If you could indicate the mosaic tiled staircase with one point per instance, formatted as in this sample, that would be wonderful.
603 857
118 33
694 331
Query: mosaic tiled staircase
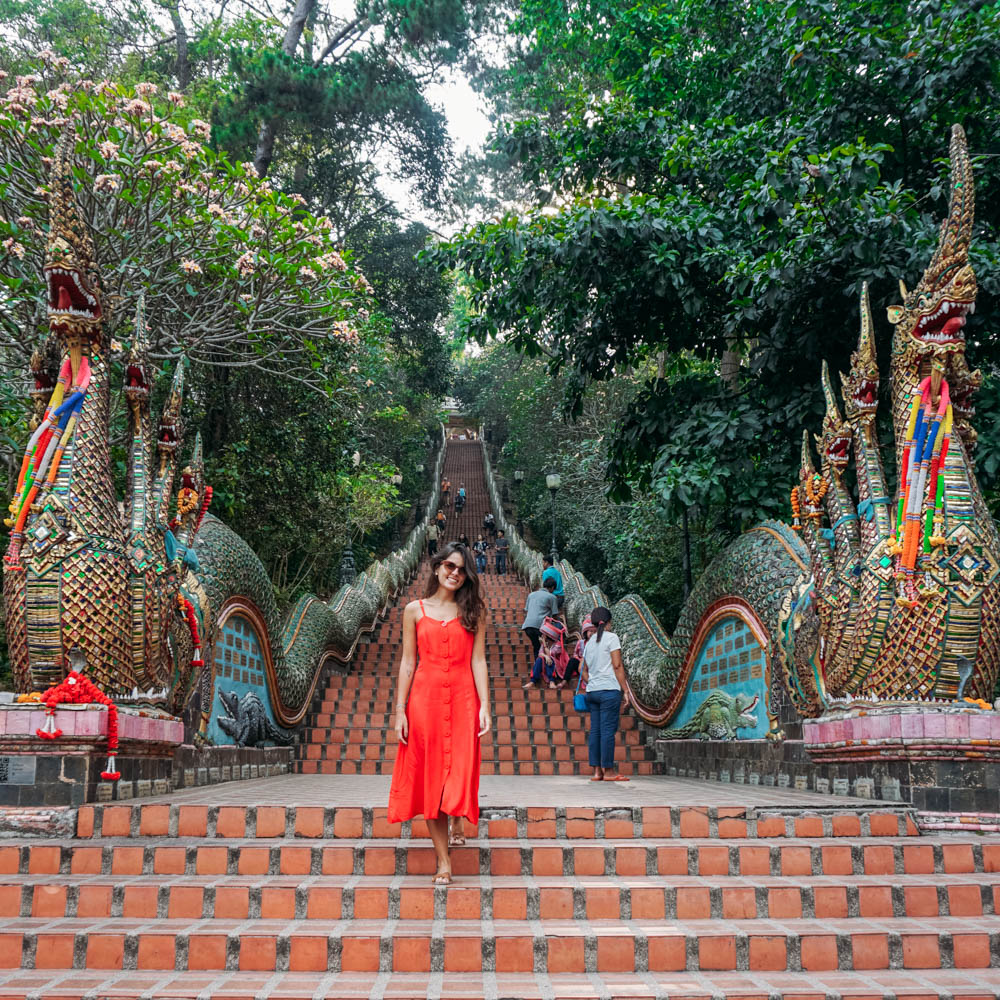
536 731
283 902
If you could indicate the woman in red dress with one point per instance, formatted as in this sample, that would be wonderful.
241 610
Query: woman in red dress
443 674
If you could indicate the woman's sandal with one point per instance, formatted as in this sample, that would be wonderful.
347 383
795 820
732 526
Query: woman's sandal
456 840
442 877
618 777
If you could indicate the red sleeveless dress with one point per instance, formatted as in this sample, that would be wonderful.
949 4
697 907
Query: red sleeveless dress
437 769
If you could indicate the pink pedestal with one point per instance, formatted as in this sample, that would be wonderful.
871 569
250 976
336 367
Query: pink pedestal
895 732
64 772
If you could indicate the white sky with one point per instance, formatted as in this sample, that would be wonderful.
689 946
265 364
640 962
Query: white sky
468 126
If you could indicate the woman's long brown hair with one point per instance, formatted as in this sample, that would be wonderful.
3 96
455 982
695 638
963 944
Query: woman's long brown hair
471 606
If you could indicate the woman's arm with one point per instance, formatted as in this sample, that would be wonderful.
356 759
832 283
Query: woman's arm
619 668
407 664
480 677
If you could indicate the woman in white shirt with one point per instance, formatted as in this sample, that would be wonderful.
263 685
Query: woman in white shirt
604 677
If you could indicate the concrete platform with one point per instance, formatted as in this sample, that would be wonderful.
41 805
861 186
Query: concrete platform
508 790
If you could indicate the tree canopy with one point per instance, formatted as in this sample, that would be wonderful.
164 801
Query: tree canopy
712 182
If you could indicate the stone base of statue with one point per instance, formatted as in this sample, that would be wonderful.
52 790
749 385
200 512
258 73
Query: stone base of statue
942 758
67 771
945 755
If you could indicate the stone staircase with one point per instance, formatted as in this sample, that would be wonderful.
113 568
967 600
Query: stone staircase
535 731
567 889
199 900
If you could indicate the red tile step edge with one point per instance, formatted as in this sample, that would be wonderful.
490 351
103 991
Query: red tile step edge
505 946
934 984
269 821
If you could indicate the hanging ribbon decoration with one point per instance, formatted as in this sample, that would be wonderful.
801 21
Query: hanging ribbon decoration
46 446
924 451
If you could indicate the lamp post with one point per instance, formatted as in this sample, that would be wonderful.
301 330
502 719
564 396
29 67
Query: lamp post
553 482
418 505
397 481
519 479
348 571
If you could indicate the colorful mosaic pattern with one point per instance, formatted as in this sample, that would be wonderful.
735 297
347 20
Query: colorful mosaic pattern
732 660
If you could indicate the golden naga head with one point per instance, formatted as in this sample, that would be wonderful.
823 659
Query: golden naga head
70 268
171 430
834 441
861 384
137 373
931 319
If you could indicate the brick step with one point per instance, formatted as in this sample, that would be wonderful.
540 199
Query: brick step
698 823
636 897
560 946
498 736
502 749
503 767
555 717
558 856
489 754
924 984
504 722
385 736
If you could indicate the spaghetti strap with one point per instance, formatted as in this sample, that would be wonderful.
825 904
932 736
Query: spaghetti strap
423 614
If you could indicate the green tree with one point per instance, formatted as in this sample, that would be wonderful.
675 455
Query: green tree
714 181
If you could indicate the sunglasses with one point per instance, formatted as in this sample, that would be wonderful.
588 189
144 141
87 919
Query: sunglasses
450 567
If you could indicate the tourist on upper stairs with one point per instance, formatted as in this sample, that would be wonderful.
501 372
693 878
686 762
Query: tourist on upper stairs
461 493
540 605
479 547
604 678
552 657
442 709
463 539
440 520
502 547
586 631
489 525
432 538
551 573
445 491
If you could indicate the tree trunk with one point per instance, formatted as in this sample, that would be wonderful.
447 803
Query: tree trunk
729 366
182 68
269 129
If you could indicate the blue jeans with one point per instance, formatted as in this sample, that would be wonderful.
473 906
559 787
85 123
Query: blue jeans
501 562
605 709
540 667
480 563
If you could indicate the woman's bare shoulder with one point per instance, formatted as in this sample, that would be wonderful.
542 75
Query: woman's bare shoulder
412 609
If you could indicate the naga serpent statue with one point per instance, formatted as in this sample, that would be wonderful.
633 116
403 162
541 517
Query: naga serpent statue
880 596
142 596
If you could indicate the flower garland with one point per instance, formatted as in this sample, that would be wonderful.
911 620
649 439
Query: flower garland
816 487
75 689
187 609
794 498
207 499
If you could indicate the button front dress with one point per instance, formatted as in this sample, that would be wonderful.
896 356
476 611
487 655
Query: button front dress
437 769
